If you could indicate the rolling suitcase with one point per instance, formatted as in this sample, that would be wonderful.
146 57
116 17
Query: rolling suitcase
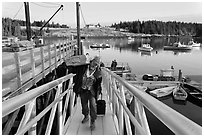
101 106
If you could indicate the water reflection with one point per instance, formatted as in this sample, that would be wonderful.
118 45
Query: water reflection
190 62
145 53
180 52
179 102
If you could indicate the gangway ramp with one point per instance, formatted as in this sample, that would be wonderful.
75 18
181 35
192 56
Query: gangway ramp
105 124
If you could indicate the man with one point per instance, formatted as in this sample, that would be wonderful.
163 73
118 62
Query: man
90 91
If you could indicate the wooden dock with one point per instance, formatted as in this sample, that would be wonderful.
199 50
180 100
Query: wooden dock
24 69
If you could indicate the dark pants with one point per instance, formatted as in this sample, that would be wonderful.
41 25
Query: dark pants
87 97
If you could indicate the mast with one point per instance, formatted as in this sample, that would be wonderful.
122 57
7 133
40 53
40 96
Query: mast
27 15
78 30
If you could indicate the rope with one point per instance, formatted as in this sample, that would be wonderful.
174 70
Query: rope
18 11
44 5
52 3
82 14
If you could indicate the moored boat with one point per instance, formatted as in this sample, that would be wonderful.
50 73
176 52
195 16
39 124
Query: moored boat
178 46
194 94
161 92
120 68
193 44
100 46
145 47
179 93
130 40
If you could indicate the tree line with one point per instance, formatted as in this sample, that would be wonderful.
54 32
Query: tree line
12 27
159 27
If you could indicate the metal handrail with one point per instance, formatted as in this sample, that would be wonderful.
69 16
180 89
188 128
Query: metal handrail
16 102
175 121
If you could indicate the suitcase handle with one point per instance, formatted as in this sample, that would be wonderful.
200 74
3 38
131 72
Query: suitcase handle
101 95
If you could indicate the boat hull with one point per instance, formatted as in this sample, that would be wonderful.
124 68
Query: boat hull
176 48
145 49
99 46
194 94
162 92
180 94
196 45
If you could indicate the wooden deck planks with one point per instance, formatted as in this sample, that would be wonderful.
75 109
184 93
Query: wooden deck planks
104 124
74 123
99 126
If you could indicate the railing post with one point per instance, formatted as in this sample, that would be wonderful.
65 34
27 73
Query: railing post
109 86
127 120
55 53
67 101
32 131
63 49
18 69
66 49
135 113
52 114
60 114
121 117
49 56
142 117
60 52
42 62
113 96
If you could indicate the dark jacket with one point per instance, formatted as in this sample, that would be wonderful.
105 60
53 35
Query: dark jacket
94 82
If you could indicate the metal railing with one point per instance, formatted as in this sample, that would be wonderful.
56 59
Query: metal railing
28 98
116 86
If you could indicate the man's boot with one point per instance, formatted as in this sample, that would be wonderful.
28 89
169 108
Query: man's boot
92 125
86 118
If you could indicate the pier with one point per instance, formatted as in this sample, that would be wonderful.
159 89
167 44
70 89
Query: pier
63 112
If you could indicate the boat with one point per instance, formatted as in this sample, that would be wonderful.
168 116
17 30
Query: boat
121 68
178 46
145 53
193 44
194 94
129 77
130 40
100 46
179 93
162 92
145 47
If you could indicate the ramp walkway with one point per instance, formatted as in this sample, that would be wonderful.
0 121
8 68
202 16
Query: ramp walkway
105 124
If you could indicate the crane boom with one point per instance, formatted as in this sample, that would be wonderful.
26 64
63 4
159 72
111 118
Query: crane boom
61 6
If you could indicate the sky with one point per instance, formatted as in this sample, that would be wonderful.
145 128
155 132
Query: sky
105 12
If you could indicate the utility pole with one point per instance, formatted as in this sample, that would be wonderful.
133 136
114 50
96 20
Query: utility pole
78 30
27 14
